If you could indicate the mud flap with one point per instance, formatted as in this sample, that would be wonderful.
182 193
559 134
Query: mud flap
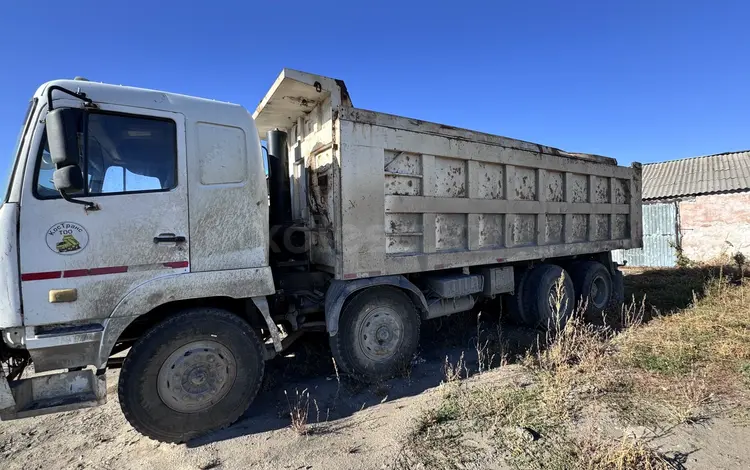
262 304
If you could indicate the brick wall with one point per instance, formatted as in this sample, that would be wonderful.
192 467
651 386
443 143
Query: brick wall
708 222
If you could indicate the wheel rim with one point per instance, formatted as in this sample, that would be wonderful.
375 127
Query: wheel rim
196 376
380 334
599 293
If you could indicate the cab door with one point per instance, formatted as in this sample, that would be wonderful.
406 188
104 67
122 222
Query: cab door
78 264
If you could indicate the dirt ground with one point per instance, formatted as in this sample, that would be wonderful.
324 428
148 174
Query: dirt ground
350 425
369 437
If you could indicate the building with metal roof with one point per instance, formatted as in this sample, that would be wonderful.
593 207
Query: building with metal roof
721 173
695 209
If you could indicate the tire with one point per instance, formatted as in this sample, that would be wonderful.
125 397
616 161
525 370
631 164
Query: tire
514 303
593 285
170 387
539 295
618 292
378 334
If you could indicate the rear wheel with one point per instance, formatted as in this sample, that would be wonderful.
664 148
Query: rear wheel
593 286
378 334
548 297
514 303
194 373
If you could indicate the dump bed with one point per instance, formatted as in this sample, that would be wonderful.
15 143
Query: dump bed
383 194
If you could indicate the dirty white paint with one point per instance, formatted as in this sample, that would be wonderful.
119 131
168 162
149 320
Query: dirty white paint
121 272
450 232
449 177
491 230
227 193
620 226
306 106
403 173
381 194
120 234
555 186
494 179
312 139
621 191
235 283
221 155
403 233
10 296
417 196
60 392
475 196
261 303
555 228
579 228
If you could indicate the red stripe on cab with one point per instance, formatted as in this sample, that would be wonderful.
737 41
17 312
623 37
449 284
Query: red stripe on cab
177 264
91 272
76 273
109 270
41 276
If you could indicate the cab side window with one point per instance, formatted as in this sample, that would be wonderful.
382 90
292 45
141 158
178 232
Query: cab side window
45 188
124 154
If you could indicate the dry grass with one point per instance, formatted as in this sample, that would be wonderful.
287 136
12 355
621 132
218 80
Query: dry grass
455 372
679 366
299 410
650 368
712 336
629 453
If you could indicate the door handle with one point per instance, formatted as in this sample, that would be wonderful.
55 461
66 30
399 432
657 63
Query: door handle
169 238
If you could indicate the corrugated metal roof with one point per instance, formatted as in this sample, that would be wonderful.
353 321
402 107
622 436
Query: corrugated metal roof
700 175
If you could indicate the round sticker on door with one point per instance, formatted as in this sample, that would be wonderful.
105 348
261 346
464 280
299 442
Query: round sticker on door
67 238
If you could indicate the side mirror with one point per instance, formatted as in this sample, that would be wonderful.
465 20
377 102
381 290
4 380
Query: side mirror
68 178
65 136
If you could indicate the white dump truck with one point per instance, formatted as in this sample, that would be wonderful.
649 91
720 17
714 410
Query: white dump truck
143 221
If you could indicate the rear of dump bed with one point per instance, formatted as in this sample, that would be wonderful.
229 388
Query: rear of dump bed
383 194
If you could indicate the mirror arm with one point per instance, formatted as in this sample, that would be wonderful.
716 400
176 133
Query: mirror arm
88 205
81 96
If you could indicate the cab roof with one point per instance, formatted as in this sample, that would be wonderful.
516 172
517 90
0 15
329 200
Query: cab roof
140 97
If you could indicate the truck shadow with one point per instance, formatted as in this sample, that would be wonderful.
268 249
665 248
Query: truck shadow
306 378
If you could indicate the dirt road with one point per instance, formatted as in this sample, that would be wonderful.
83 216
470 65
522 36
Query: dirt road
368 437
348 424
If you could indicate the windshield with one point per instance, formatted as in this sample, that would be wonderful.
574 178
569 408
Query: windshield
14 157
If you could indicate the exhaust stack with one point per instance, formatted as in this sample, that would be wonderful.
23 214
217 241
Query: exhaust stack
278 178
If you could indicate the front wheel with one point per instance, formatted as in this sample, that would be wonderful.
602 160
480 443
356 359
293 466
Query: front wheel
194 373
378 334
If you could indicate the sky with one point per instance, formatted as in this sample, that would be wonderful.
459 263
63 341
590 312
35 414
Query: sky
635 80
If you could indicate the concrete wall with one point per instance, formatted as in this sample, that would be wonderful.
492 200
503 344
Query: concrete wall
708 222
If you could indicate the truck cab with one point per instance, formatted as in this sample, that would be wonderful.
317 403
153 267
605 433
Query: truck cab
133 229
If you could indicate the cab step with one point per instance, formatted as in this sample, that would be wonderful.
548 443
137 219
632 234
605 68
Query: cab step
53 393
